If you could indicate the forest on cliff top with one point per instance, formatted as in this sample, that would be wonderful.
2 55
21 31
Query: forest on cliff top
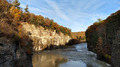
12 14
11 17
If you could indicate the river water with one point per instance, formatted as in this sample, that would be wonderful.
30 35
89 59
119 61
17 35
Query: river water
73 56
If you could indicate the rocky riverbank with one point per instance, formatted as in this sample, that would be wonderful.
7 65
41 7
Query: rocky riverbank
22 32
103 38
16 51
13 55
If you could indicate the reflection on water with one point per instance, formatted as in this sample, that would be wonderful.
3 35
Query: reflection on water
47 60
75 56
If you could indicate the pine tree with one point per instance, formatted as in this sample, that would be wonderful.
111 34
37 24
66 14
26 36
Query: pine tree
26 9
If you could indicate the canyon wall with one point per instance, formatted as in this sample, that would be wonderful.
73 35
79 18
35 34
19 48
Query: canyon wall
17 40
43 38
116 49
13 55
16 49
103 38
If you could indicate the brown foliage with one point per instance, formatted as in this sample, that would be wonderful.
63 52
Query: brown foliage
16 13
6 29
78 35
101 34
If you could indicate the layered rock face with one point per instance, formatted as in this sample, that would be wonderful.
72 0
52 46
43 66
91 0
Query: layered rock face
103 38
15 51
44 38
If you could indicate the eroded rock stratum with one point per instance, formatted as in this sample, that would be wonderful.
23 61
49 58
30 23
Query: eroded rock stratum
43 38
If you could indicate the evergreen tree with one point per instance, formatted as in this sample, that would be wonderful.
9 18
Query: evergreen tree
26 9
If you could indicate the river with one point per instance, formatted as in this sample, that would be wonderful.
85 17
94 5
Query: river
73 56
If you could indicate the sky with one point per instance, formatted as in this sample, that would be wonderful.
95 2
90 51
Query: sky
74 14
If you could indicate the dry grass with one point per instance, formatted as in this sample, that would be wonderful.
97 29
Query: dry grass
6 29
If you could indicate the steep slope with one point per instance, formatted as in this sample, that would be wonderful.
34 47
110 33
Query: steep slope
21 32
43 38
102 38
116 49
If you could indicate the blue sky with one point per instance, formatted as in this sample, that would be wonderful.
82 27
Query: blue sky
74 14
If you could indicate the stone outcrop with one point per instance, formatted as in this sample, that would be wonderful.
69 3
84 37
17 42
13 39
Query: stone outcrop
15 50
13 55
7 53
43 38
103 38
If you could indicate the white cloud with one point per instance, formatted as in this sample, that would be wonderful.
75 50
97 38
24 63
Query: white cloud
35 9
98 5
74 14
88 4
57 10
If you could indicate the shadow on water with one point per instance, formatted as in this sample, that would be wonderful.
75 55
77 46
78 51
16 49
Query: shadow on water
75 56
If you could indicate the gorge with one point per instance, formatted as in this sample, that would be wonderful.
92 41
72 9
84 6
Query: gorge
29 40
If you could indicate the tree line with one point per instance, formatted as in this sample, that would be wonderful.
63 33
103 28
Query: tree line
14 11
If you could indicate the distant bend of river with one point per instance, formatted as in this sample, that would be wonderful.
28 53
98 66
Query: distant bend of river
74 56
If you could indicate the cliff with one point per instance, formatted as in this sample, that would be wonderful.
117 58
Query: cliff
13 55
103 39
22 32
43 38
